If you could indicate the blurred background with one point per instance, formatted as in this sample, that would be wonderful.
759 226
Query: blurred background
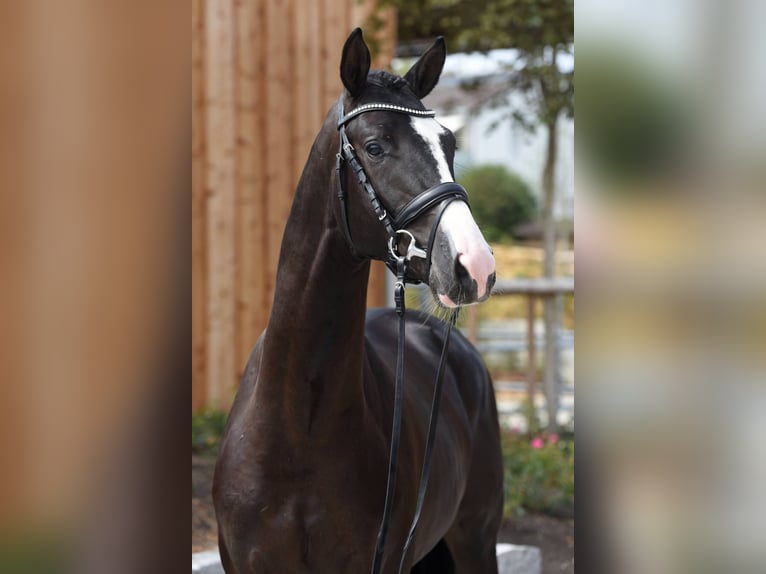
94 228
672 282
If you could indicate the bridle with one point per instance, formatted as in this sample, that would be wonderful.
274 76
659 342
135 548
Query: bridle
438 197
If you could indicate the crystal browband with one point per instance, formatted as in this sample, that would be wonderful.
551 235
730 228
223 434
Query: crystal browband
387 108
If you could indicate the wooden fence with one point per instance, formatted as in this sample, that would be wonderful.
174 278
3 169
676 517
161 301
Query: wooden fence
264 74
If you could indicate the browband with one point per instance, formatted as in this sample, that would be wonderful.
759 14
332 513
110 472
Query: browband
385 108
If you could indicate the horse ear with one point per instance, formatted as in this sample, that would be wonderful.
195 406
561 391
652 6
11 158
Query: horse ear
355 63
424 74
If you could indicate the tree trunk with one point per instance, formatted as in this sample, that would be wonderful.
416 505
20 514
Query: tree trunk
549 266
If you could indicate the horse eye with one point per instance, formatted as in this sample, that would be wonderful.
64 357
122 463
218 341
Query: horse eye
373 149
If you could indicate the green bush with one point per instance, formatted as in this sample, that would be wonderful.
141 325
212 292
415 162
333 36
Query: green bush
500 200
538 474
638 120
207 427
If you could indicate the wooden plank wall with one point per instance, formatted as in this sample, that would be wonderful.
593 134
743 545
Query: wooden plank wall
264 73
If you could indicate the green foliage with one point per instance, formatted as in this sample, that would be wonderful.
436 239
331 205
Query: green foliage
486 24
526 25
538 474
500 200
638 121
207 427
538 30
25 550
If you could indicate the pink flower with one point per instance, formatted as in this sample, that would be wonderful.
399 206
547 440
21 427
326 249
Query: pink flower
553 439
537 442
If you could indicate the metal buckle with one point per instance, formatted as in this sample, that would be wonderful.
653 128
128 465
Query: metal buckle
412 249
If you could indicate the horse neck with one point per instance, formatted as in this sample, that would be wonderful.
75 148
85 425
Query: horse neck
314 342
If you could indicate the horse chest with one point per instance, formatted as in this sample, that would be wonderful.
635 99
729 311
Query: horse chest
302 476
309 524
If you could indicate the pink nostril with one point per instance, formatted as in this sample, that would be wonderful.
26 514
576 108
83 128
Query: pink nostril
474 261
480 266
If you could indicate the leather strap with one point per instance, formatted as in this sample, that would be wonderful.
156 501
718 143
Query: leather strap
341 177
426 200
433 421
393 456
347 153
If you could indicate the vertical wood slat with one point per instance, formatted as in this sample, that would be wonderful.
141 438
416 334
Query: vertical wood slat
221 215
532 351
386 43
335 34
309 109
264 74
279 122
199 331
251 217
264 300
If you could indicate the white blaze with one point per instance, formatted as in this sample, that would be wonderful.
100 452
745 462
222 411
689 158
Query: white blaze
431 131
457 222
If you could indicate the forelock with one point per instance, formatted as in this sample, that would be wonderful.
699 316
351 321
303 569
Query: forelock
381 83
385 79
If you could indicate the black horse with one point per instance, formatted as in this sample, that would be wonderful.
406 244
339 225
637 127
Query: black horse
300 480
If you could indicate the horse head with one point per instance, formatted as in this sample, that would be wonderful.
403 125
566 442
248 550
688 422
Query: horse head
406 156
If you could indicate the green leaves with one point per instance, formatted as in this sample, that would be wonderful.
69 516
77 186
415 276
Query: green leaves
207 427
500 200
538 474
539 30
468 25
639 123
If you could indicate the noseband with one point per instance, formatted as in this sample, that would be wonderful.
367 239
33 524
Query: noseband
439 196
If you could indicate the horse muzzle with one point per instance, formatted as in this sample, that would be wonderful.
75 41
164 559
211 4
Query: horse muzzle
462 267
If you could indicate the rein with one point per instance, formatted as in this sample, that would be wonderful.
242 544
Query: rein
439 196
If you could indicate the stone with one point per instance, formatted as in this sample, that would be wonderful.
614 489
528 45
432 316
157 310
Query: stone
515 559
511 559
208 562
